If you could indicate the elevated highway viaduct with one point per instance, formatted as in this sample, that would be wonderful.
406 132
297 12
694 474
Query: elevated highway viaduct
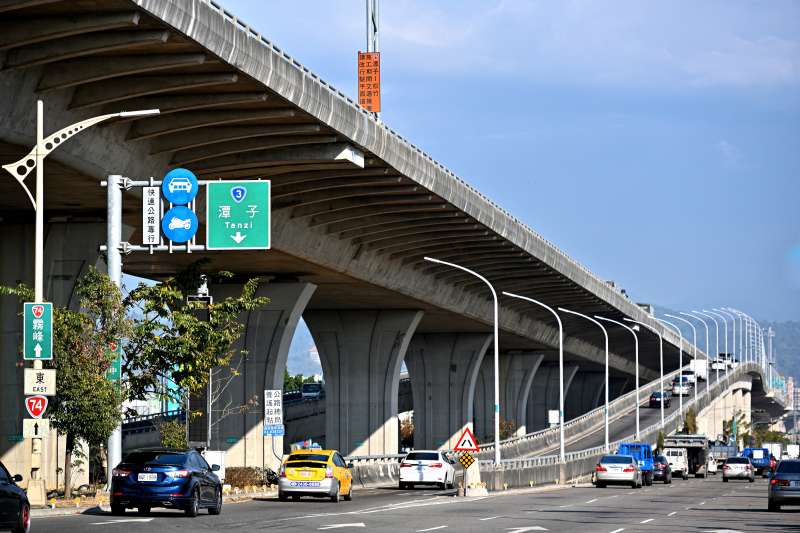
355 209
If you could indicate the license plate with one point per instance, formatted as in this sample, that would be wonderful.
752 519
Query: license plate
794 484
147 477
303 484
305 474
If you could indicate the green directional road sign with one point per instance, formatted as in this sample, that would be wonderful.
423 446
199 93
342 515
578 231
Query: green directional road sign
114 371
37 340
238 215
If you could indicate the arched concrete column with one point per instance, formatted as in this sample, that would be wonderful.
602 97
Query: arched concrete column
584 391
443 368
266 339
515 386
70 249
361 353
618 387
545 393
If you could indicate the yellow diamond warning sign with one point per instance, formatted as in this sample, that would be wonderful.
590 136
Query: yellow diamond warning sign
466 460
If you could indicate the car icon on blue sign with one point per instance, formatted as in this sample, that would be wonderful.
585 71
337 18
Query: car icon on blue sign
179 186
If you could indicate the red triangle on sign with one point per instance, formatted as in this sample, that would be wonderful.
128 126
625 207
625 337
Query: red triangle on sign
467 442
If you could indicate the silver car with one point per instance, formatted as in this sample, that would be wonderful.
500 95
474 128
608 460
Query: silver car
617 470
738 468
784 485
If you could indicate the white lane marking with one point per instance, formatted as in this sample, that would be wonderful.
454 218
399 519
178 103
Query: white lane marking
592 500
618 530
431 529
646 521
122 521
489 518
614 496
673 513
527 528
339 526
702 503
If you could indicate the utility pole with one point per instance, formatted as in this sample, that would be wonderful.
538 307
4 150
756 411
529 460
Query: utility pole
114 266
373 25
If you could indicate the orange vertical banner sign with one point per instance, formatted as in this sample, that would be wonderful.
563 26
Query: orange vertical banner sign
369 81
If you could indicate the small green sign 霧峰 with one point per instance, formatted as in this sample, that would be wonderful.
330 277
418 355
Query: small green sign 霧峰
37 340
238 215
115 370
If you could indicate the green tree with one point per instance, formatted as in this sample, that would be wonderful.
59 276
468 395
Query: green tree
690 422
660 442
172 434
87 405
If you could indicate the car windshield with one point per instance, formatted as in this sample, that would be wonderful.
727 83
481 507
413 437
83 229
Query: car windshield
306 464
423 456
737 461
156 458
617 460
308 457
789 467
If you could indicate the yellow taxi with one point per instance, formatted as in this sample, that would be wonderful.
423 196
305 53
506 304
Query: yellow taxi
313 472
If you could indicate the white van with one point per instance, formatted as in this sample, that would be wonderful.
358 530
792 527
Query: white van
678 461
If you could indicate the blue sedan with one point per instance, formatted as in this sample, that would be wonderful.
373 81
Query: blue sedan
175 479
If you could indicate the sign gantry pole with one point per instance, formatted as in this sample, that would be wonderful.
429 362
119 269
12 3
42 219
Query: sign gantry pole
114 267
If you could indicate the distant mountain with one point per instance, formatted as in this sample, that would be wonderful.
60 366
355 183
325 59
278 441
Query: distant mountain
786 346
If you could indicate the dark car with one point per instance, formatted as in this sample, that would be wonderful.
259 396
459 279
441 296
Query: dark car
784 485
655 399
175 479
15 510
661 469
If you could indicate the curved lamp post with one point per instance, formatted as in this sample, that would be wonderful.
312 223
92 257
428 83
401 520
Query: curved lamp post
708 338
660 359
725 331
496 353
20 170
605 333
716 332
680 359
636 351
694 343
733 333
560 367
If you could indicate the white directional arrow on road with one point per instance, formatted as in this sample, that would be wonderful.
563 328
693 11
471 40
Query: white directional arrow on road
238 237
527 528
339 526
38 350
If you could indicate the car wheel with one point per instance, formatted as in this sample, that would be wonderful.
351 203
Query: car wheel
349 496
724 479
217 508
194 505
634 485
441 486
144 510
774 507
335 496
24 522
685 476
752 479
117 510
600 485
282 497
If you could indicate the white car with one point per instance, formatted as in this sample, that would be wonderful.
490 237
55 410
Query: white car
681 388
180 184
690 376
427 467
176 223
719 365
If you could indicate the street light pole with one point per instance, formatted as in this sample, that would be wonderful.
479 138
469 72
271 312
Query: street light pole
560 368
708 340
725 325
694 343
20 170
680 359
660 360
636 352
496 352
605 333
716 334
733 334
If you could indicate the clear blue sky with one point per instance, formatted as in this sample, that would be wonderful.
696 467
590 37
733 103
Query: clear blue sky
656 142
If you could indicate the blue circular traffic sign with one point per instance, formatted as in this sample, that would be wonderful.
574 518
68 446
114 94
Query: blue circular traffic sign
179 186
179 224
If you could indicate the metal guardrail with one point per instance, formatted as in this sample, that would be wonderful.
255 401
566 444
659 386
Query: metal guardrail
153 416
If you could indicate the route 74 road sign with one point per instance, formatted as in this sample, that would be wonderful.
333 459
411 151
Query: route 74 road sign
238 215
37 339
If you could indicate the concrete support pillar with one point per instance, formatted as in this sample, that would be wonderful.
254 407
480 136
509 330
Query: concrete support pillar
618 387
361 352
515 386
267 339
585 391
545 392
443 368
70 249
